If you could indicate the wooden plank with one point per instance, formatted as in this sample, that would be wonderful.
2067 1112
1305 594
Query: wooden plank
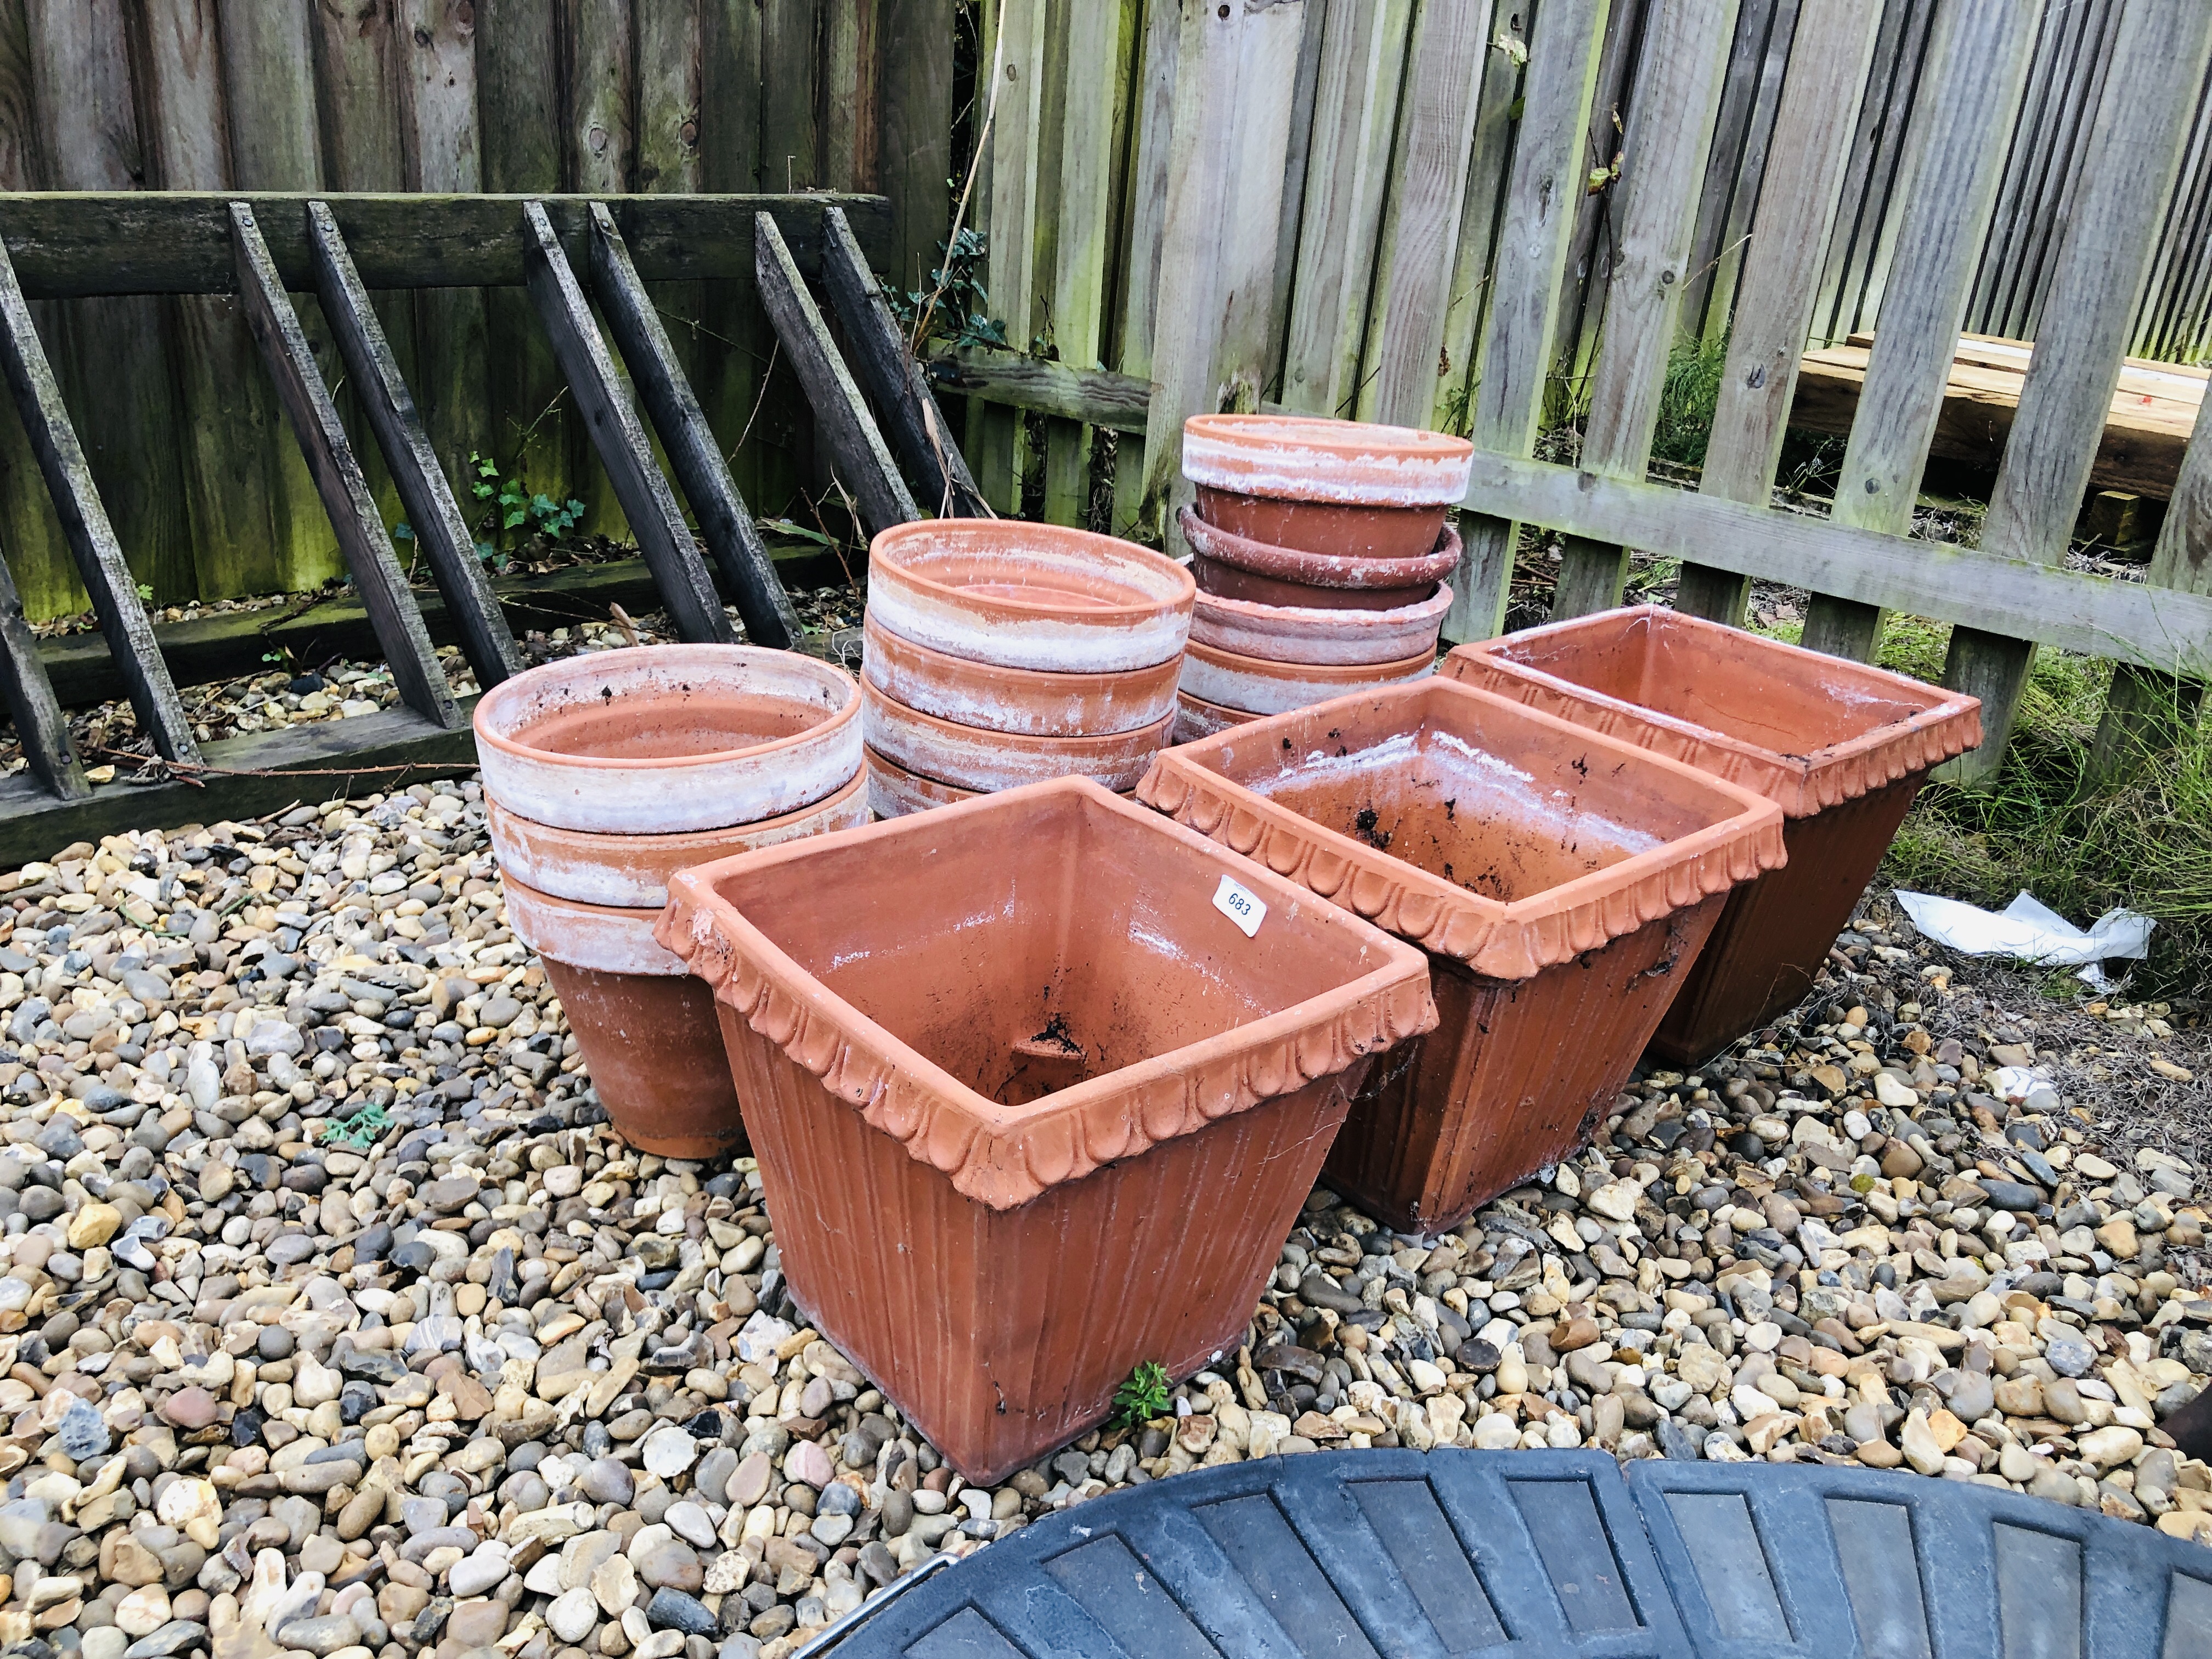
1877 153
84 520
445 156
1806 160
862 462
41 729
662 536
2129 621
354 515
1269 50
1121 403
1489 152
1720 268
668 78
724 524
1726 176
1546 183
243 778
1014 96
1356 98
1400 361
599 145
1977 61
2146 712
1305 89
914 157
910 415
1144 198
1186 324
1671 127
791 72
113 360
847 112
441 529
2158 55
1584 276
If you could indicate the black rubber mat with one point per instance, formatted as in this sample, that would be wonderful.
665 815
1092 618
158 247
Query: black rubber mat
1403 1555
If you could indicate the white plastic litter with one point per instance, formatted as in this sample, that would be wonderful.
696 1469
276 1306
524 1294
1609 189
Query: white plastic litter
2031 930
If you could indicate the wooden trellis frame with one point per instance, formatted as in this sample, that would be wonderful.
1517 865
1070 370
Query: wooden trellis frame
263 247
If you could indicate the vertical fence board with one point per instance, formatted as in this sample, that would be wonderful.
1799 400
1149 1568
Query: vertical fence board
1533 235
850 109
1017 77
1877 152
1305 89
1363 58
913 164
1582 278
791 152
599 156
668 160
443 145
1144 198
119 373
1977 62
2131 159
2146 711
1798 199
31 540
1268 55
1489 156
1717 270
1677 96
1407 312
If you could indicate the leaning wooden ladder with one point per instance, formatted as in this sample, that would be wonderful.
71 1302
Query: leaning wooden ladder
263 247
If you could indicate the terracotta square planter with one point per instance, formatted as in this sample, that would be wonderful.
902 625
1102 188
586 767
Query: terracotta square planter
1030 1109
1842 748
1561 881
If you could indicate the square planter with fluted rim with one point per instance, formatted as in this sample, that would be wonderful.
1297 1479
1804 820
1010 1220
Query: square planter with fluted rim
1032 1106
1561 881
1842 748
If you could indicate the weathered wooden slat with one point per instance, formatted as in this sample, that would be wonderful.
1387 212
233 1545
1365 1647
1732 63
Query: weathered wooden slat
600 154
2127 621
862 462
1363 56
1119 402
1670 126
1977 61
1008 213
1144 197
654 519
1488 154
68 245
29 691
724 524
1305 92
913 423
791 90
2159 56
1735 164
1805 162
359 528
259 773
1876 156
914 140
433 513
1406 315
92 541
1538 216
1269 49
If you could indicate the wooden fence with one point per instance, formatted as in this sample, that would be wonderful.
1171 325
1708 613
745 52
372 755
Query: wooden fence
1422 210
441 96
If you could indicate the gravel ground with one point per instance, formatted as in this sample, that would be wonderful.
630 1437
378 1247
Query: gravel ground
335 1321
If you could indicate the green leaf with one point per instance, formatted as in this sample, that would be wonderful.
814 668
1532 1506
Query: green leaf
514 519
482 491
403 531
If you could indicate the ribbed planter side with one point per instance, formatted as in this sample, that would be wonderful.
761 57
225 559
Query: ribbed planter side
1538 1063
991 761
894 792
1002 1333
1333 638
1257 686
664 739
1021 595
1027 703
632 871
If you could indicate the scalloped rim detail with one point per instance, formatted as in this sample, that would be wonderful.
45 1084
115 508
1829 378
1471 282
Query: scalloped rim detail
1514 941
1801 785
1004 1158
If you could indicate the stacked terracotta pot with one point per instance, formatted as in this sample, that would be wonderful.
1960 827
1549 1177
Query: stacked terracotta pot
1321 550
606 775
999 653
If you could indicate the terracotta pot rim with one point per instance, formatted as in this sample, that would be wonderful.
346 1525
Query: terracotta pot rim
1307 458
897 777
1006 1156
1025 687
1319 569
491 705
1949 724
1123 754
1501 940
521 845
1312 636
1351 673
618 939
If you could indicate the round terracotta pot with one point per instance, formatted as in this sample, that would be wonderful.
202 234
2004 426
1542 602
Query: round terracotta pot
1258 686
664 739
1027 701
894 792
987 762
633 871
646 1029
1347 487
1018 595
1266 574
1290 633
1196 718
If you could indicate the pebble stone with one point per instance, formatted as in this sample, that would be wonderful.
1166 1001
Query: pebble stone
323 1306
